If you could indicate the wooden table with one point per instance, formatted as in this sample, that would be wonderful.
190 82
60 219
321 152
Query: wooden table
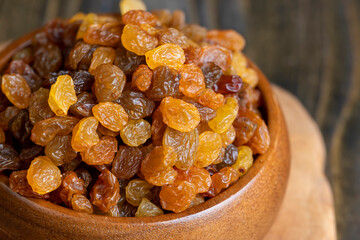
310 48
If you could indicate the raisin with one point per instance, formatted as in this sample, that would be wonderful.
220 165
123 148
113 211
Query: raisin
192 80
157 166
206 113
136 104
16 89
209 148
244 160
101 153
83 81
44 131
110 115
71 185
228 84
216 54
167 54
127 162
85 175
178 196
137 40
220 158
136 190
106 132
179 114
229 39
20 127
250 76
157 127
87 20
141 78
62 95
60 151
199 177
238 64
4 102
23 69
70 31
81 204
55 30
163 15
172 35
47 58
43 176
106 191
72 165
9 157
211 99
195 32
128 5
39 108
136 132
84 134
245 129
148 209
106 33
225 116
260 141
224 178
83 107
184 144
2 136
27 154
102 55
178 19
230 157
109 82
228 136
127 61
249 98
212 73
77 53
127 210
18 183
165 83
139 17
26 55
198 199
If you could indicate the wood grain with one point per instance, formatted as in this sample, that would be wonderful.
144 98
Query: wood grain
309 47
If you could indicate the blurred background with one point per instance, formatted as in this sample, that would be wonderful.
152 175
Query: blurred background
311 48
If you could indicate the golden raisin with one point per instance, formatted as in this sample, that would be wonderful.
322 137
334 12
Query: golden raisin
225 116
136 132
110 115
211 99
104 33
216 54
62 95
200 177
18 183
148 209
224 178
178 196
167 54
139 17
16 89
88 20
81 204
128 5
136 190
102 55
209 148
229 39
43 176
84 134
60 151
244 161
228 137
179 114
136 40
101 153
192 81
141 78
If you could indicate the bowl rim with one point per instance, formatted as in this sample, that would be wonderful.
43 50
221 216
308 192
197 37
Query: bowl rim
273 116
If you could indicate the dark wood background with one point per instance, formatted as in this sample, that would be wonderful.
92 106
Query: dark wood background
311 48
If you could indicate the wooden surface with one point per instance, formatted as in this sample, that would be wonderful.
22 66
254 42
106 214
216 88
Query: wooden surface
308 211
310 48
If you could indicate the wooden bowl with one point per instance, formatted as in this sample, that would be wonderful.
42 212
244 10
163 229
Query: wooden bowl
246 210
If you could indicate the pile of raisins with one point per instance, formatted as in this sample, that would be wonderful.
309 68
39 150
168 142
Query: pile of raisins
131 115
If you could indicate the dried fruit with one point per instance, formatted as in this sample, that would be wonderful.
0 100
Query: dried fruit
216 54
127 162
18 183
197 200
212 73
62 95
199 177
43 176
174 36
137 40
106 191
228 137
165 83
229 39
59 150
194 32
44 131
136 132
245 129
102 55
2 136
167 54
211 99
228 84
184 144
81 204
157 128
230 156
101 153
23 69
128 5
179 114
83 107
71 185
39 108
47 58
9 158
244 160
224 178
164 16
20 127
84 134
16 89
210 144
178 19
148 209
127 61
104 33
136 190
192 80
110 115
78 53
139 17
225 116
141 78
109 82
178 196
